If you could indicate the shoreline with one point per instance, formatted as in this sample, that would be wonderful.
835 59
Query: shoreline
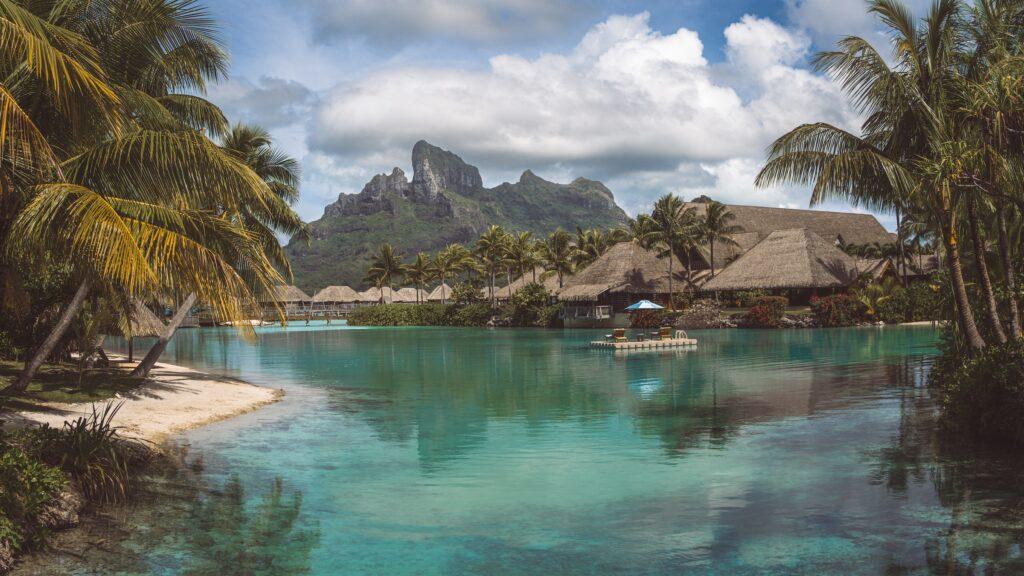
174 400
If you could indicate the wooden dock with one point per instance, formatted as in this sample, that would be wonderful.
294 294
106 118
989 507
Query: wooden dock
653 344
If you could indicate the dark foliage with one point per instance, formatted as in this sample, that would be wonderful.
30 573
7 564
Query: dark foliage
837 311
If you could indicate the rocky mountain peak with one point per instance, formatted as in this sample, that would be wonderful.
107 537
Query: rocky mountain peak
436 170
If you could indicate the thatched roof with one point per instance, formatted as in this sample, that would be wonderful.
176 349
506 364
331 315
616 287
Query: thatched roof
625 267
797 258
442 292
408 294
373 295
550 283
921 266
759 221
342 294
143 322
284 294
876 267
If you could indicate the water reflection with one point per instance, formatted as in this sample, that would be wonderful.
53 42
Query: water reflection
516 452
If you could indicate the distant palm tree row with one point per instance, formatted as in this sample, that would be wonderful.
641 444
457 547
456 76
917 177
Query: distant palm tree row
116 172
673 227
942 147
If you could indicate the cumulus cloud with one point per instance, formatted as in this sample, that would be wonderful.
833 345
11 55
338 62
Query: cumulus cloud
398 22
271 102
641 109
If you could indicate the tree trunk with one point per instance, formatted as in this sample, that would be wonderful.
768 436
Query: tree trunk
534 274
443 299
712 246
900 255
671 293
992 307
44 351
149 360
963 305
494 300
1008 271
508 276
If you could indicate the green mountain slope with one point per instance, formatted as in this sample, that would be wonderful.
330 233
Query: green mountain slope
445 202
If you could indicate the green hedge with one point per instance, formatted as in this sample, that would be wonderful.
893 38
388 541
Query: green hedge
399 315
837 311
530 306
984 396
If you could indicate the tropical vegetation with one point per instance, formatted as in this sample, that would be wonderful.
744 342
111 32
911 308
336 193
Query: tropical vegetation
941 147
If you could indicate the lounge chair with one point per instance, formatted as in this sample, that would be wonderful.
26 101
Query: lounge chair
665 333
619 334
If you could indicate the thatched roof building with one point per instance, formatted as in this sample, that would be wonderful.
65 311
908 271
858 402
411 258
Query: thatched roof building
624 268
341 294
788 259
442 292
373 295
408 295
550 283
143 322
876 267
758 222
286 294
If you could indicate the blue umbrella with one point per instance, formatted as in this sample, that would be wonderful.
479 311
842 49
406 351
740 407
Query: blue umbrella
644 305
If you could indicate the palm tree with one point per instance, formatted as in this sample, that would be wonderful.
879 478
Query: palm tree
129 211
490 249
556 253
420 272
448 262
522 249
642 230
903 154
385 268
717 227
674 227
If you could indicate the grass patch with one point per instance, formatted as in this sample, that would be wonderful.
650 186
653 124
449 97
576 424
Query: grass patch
59 383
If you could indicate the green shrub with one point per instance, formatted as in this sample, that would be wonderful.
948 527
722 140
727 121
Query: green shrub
984 395
528 306
836 311
8 349
26 487
925 302
551 316
399 315
895 308
478 314
466 293
766 312
747 298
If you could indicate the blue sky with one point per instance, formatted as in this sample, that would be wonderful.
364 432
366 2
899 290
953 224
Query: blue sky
649 97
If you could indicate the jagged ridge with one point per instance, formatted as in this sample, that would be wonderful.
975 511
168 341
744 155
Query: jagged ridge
444 202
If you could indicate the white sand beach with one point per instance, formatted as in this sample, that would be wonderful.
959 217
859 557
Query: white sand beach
174 400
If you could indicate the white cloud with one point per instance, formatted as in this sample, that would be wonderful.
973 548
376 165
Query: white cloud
271 102
643 110
399 22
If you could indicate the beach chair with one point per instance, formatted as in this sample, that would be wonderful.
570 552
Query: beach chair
665 333
619 334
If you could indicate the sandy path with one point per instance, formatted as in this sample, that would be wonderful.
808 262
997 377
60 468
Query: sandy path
175 399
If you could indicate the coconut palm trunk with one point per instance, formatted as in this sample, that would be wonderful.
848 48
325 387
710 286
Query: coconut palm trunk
963 305
149 360
44 351
992 307
900 254
1008 271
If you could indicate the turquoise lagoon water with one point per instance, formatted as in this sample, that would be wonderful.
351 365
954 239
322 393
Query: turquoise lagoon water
459 451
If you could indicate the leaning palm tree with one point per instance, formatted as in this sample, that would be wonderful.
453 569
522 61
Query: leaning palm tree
122 191
717 228
385 268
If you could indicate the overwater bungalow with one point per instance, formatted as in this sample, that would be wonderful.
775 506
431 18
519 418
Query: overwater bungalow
442 293
335 301
290 299
796 263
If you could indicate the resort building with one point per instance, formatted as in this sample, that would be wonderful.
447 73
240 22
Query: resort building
796 263
410 295
335 301
597 294
442 293
289 299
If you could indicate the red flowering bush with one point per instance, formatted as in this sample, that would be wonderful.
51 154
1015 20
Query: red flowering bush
836 311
